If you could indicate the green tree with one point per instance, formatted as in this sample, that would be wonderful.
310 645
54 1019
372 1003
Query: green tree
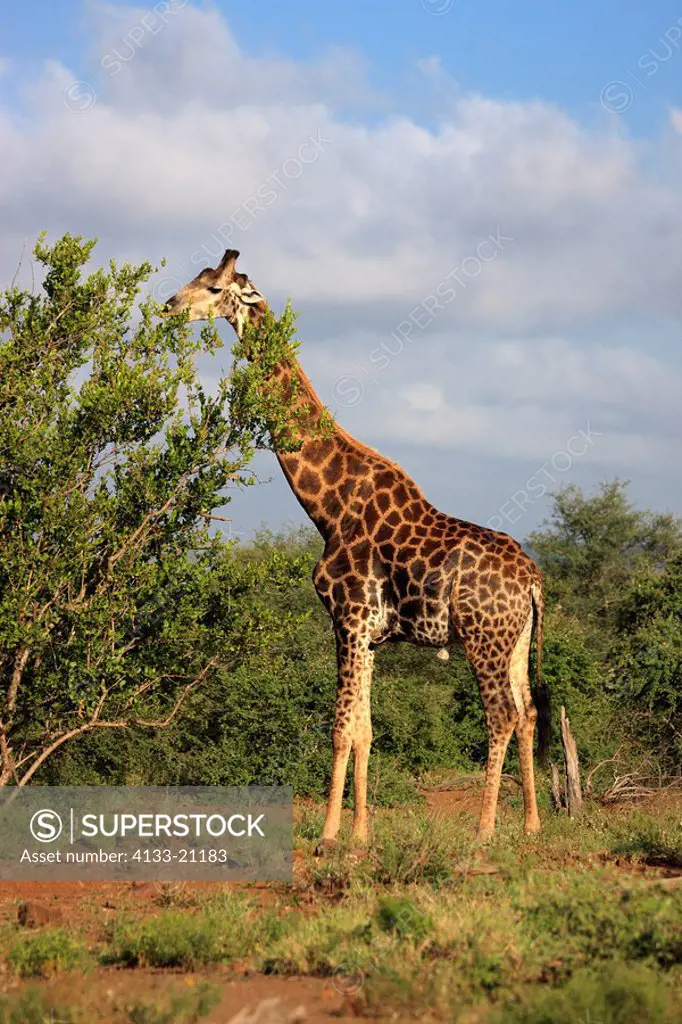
246 724
612 645
113 461
647 661
593 548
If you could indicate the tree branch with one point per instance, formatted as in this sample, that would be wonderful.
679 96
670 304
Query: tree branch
13 689
95 723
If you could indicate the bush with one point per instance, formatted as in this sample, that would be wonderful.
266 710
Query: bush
220 932
48 953
618 993
583 922
399 916
174 940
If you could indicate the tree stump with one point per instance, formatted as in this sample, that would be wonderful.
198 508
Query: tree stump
574 796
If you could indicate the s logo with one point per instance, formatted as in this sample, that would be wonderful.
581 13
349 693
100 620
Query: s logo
46 826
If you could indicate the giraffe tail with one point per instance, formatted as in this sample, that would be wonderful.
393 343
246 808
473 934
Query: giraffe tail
541 690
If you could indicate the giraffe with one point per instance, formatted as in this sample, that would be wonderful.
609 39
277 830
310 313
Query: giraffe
395 568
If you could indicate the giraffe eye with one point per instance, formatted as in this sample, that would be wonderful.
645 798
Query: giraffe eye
215 291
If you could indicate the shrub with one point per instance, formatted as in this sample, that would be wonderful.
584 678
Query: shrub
48 953
32 1008
182 1008
399 916
618 993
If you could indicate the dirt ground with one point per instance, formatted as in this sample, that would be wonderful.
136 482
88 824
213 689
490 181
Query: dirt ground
242 998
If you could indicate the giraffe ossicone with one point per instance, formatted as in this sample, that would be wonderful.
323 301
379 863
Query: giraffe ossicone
396 568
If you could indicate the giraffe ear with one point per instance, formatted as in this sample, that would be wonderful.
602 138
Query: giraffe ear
251 296
226 265
248 293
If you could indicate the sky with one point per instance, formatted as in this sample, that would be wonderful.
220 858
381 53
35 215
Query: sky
476 205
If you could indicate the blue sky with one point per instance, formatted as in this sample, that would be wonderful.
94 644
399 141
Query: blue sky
557 126
509 49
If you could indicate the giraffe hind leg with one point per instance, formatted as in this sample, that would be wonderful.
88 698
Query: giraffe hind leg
525 728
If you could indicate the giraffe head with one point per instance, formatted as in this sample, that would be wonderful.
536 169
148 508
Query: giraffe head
222 292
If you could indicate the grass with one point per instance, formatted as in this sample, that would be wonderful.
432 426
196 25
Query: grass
224 929
181 939
566 927
188 1007
414 925
47 953
401 918
620 993
173 940
32 1008
181 1007
641 837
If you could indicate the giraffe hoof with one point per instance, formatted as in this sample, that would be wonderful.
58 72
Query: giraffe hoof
325 847
532 828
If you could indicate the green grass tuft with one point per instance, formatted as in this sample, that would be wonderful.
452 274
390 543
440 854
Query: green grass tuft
183 1008
48 953
32 1008
400 917
619 993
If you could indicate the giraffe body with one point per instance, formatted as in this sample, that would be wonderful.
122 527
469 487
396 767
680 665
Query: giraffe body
394 568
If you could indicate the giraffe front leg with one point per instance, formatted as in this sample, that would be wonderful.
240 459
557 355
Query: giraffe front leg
362 742
341 744
352 730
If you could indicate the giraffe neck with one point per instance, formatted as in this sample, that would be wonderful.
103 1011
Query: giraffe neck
332 474
317 466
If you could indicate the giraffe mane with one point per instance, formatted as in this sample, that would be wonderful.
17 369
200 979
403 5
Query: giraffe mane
358 446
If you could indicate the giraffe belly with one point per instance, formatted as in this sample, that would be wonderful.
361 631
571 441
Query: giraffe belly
425 626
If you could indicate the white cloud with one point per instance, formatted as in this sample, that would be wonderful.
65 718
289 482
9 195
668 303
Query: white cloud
430 66
514 398
187 128
422 397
